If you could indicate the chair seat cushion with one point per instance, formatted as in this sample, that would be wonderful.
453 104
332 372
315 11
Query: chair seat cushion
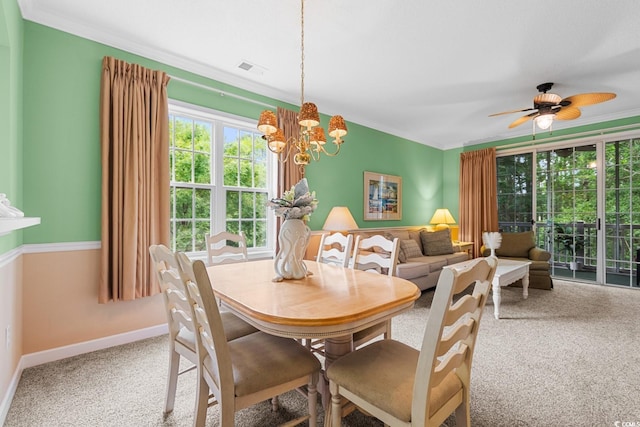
234 327
261 361
382 373
384 366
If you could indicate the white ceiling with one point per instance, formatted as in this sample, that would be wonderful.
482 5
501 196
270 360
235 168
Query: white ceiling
429 71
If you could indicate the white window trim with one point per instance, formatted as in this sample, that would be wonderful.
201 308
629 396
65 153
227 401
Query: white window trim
206 114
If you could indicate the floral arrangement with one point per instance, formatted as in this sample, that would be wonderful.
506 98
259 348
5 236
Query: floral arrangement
297 203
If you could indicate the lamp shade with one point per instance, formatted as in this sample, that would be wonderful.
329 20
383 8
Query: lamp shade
309 116
267 123
340 219
337 127
442 217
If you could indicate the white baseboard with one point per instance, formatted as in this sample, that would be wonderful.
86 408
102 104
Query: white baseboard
35 359
41 357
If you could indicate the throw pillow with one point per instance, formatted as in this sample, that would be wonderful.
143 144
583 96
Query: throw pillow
410 249
436 242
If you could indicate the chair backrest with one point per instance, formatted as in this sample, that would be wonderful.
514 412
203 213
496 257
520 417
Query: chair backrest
225 247
171 279
450 335
335 249
375 253
210 336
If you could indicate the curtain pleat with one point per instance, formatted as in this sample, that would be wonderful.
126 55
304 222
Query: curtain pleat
478 209
288 172
134 138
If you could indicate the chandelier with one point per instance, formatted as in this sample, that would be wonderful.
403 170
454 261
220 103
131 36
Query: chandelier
310 141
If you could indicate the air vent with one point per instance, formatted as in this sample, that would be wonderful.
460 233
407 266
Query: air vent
252 68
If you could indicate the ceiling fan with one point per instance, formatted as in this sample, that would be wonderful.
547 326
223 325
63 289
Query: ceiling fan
549 106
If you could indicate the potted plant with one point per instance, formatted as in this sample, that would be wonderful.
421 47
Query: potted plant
570 244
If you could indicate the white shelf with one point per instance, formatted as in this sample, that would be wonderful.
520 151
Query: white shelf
9 224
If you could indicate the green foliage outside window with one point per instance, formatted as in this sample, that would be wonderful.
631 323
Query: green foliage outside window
193 193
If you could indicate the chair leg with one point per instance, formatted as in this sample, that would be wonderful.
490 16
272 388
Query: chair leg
463 414
202 402
172 382
336 405
312 396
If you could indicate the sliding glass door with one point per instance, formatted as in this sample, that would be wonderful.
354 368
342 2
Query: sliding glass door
583 201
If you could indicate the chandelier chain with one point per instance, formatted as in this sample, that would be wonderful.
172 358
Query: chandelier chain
302 52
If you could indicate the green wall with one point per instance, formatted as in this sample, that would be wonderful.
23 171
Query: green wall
11 112
61 142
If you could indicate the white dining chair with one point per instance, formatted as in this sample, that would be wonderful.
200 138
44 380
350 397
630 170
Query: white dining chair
182 341
375 254
402 386
248 370
225 247
335 249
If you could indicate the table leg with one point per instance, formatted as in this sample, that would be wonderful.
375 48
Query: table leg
525 286
496 300
334 348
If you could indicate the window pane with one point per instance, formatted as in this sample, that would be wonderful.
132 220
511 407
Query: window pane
261 234
202 140
246 173
233 204
231 139
203 203
183 236
260 175
183 164
247 229
184 202
183 133
202 229
202 171
246 205
246 144
261 205
231 171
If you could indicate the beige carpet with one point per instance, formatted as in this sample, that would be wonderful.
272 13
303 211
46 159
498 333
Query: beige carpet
566 357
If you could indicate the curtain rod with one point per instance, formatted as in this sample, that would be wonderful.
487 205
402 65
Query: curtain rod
535 142
221 92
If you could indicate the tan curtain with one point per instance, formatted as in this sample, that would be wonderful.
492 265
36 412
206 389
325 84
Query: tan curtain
288 172
478 196
134 136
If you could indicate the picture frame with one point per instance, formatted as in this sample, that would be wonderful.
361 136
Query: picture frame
382 197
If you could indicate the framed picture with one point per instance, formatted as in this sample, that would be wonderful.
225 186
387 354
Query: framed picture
382 197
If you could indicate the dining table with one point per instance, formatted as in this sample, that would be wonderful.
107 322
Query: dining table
330 303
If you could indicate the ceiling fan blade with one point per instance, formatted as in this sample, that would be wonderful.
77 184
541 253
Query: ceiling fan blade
511 112
523 119
587 99
568 113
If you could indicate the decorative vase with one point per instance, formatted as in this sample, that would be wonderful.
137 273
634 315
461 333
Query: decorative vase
293 239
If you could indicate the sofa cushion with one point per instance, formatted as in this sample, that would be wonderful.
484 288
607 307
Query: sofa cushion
436 242
412 269
434 262
410 248
516 244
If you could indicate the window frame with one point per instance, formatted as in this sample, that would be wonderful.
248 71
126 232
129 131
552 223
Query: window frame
217 216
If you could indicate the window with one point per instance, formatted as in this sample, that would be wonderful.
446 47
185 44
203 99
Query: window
221 178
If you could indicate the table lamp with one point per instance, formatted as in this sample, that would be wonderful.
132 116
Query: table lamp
442 218
340 219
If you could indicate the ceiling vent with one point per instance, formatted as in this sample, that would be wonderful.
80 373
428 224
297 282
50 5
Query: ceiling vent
252 68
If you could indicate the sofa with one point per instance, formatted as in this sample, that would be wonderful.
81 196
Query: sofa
522 246
422 253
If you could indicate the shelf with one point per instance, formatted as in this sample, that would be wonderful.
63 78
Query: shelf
9 224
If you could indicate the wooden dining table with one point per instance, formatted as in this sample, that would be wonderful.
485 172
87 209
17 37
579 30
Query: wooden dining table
331 303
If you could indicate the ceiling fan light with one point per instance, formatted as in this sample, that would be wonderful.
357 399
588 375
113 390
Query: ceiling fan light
544 121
